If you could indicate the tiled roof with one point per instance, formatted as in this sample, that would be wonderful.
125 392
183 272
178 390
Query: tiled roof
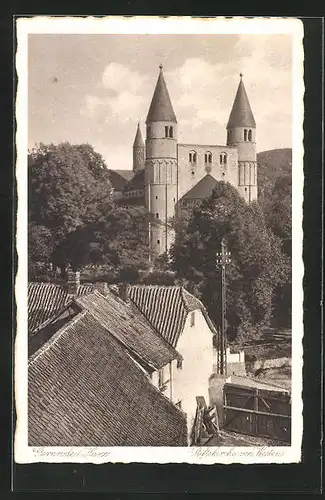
119 178
137 182
46 300
203 189
241 114
166 308
255 384
161 109
130 327
84 390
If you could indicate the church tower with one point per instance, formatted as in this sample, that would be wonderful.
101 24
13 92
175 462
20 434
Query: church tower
241 132
161 167
138 151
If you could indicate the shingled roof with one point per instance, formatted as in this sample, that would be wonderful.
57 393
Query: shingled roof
125 322
46 300
119 178
161 109
203 189
85 390
166 308
241 114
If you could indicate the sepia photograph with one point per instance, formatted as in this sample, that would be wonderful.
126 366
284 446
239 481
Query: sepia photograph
155 289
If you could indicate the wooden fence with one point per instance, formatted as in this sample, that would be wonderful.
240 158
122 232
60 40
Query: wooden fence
257 412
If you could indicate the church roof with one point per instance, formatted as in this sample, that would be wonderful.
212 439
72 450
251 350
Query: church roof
138 141
137 182
203 189
119 178
241 114
161 109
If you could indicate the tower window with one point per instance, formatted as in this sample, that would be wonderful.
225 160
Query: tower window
192 157
171 132
245 134
156 197
158 242
166 131
157 216
249 135
223 158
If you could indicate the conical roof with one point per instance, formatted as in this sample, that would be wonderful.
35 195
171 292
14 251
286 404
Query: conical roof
161 109
241 114
138 141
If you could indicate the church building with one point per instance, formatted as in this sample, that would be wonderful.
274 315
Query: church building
169 174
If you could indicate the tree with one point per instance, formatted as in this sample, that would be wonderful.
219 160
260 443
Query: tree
40 246
257 266
68 188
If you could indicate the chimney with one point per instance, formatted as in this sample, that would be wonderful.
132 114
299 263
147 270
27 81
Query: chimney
123 291
73 282
101 287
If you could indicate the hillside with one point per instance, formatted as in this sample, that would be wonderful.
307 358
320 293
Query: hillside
273 164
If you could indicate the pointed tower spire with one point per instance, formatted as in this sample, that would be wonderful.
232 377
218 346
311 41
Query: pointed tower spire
138 151
138 141
161 109
241 114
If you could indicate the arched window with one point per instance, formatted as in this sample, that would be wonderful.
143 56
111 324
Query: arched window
208 157
223 158
192 157
166 131
171 132
249 135
245 134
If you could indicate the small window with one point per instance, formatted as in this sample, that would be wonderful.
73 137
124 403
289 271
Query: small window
148 130
193 173
171 132
156 197
192 318
166 131
245 190
249 135
174 200
245 134
158 242
223 158
208 157
157 216
192 157
179 364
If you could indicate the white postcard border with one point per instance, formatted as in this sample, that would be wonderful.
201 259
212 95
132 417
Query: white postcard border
154 25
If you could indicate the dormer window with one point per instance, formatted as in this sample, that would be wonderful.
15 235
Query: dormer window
192 157
208 157
223 158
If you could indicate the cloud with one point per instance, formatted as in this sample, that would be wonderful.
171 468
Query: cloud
119 78
124 95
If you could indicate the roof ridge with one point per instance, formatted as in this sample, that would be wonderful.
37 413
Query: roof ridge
54 338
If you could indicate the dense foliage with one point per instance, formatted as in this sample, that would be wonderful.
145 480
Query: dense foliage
258 266
72 218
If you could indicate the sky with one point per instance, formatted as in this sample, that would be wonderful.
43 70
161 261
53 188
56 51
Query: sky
95 88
